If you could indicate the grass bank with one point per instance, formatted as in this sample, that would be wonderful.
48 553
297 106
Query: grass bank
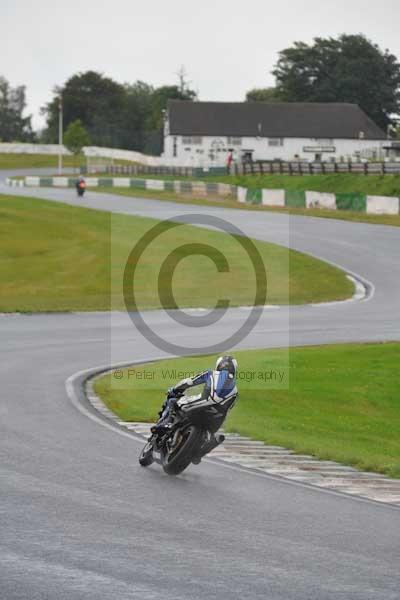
57 257
380 185
341 404
230 202
37 161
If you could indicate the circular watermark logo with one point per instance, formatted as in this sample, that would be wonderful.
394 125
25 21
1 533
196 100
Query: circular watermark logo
165 290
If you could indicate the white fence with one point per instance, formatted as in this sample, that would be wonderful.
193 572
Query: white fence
143 159
93 152
32 149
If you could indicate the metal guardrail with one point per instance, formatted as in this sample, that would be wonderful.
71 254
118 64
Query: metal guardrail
262 167
151 170
148 170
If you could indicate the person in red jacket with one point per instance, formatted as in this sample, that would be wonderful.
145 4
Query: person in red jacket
229 162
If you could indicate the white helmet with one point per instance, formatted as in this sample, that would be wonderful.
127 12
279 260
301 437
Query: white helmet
227 363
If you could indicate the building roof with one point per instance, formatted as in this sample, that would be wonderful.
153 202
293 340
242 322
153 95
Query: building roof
267 119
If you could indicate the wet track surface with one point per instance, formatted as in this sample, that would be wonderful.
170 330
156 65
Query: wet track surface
81 519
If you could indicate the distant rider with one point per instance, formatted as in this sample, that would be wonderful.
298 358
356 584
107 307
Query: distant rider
80 185
219 390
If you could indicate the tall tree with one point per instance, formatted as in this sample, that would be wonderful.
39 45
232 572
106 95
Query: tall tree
269 94
347 69
137 115
14 127
121 116
94 99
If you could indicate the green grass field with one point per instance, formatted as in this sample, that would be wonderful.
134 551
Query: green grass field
56 257
342 402
37 161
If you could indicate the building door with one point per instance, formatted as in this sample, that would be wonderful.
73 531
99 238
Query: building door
217 150
247 155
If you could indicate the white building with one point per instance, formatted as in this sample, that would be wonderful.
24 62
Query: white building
202 133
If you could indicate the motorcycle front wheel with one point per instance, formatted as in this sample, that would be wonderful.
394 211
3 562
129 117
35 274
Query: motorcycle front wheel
177 458
146 457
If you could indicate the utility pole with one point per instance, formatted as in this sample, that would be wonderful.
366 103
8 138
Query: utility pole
60 134
183 83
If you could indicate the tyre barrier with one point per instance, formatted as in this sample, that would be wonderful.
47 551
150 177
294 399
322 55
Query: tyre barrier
352 201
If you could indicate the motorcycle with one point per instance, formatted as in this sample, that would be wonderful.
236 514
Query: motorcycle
80 188
188 435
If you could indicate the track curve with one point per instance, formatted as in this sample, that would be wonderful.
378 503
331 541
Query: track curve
81 519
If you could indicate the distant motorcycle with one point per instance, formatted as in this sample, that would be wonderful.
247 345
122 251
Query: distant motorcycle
188 436
80 187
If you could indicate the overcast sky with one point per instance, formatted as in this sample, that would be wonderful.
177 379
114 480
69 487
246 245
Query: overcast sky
226 46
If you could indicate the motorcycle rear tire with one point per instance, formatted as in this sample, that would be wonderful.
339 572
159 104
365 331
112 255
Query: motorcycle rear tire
183 457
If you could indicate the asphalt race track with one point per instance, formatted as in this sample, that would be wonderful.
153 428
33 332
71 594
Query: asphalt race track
80 519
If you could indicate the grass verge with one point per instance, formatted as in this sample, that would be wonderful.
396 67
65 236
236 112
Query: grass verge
342 402
57 257
230 202
381 185
36 161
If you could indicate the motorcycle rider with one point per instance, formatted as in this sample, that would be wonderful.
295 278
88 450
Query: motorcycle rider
219 391
80 185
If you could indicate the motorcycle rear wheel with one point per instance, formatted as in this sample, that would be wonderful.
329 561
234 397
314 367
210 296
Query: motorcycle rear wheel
176 461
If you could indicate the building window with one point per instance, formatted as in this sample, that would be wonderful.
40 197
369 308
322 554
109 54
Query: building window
175 149
192 140
323 141
275 142
234 141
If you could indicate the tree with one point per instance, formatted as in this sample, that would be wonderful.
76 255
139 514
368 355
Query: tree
76 137
347 69
13 125
96 100
269 94
126 116
137 115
